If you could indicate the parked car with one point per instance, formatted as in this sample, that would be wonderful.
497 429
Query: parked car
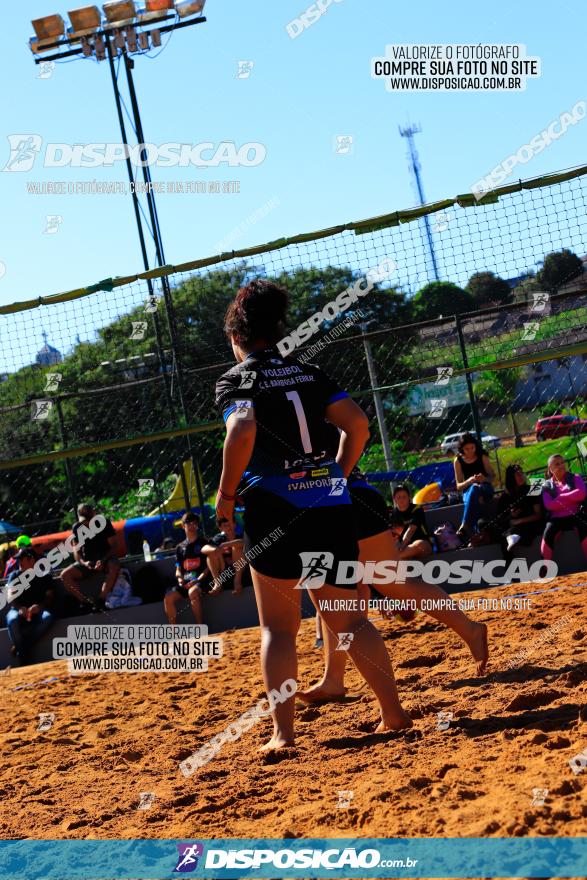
451 441
559 426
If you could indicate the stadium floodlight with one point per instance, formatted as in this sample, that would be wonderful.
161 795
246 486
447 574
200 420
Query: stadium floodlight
100 48
131 39
120 12
154 9
47 30
84 21
184 8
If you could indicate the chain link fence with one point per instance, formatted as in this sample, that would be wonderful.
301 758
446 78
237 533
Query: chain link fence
107 387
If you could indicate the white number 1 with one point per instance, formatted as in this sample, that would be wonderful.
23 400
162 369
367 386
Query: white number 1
304 433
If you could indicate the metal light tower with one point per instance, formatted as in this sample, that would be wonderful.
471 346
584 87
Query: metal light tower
126 29
409 133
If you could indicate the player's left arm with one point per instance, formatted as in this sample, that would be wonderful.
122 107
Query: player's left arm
354 424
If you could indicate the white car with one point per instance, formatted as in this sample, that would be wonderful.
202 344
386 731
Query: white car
451 441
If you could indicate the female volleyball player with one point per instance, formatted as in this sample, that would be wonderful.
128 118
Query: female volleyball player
376 543
297 509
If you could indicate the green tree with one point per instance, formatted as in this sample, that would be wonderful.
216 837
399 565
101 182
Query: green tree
558 268
441 299
498 387
488 289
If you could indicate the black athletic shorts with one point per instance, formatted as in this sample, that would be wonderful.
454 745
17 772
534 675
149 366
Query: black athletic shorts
369 511
312 530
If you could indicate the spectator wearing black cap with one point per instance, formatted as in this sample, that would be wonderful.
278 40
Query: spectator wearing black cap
29 616
190 568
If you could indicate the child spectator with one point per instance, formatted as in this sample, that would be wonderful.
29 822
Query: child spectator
562 495
190 566
414 539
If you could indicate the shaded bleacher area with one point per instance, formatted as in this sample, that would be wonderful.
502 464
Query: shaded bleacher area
227 611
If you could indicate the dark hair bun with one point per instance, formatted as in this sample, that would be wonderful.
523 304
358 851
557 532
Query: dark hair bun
258 312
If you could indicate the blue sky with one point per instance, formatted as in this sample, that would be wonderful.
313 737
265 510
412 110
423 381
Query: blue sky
301 94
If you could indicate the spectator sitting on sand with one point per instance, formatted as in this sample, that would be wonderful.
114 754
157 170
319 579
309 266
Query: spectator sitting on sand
414 540
563 493
28 617
95 554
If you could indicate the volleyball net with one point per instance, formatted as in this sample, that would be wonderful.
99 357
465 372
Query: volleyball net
462 314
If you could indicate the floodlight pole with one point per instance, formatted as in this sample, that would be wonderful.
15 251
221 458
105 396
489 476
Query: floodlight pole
65 47
160 257
137 212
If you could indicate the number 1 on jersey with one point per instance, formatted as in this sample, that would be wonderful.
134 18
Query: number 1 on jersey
301 416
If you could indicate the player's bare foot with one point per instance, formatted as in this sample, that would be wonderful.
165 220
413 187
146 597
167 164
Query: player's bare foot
479 647
322 693
401 721
277 742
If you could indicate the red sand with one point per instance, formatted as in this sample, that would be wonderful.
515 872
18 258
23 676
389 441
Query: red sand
116 735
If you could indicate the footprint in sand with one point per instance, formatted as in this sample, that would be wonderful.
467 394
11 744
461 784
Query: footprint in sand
422 660
533 700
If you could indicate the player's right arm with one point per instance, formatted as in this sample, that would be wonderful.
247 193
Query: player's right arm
239 441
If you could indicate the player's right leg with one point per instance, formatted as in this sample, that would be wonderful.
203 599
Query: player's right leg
279 608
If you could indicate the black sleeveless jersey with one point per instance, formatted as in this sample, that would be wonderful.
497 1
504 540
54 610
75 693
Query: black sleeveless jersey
293 450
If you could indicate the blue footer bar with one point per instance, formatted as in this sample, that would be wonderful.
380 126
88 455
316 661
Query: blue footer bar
337 858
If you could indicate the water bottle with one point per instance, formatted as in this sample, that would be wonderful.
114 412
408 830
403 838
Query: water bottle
147 551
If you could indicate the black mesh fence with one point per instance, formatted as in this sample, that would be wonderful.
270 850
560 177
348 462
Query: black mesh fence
114 384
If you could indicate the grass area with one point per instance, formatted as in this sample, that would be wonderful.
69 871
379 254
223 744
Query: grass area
532 458
502 347
535 457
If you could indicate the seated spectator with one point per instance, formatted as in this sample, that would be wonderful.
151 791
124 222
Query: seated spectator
474 478
28 617
563 493
414 539
12 563
8 561
190 569
221 552
95 554
122 595
520 517
167 544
